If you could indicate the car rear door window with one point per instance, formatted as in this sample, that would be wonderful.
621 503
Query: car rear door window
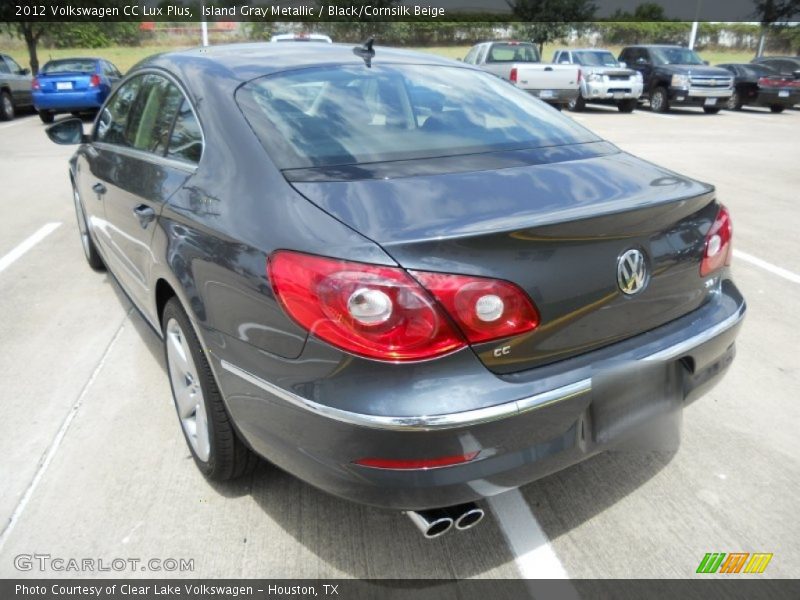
3 67
186 142
154 112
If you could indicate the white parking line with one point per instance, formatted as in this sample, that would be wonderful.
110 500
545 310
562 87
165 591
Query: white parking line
54 446
774 269
27 244
7 125
534 556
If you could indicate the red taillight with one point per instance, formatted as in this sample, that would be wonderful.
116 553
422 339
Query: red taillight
377 312
484 309
94 81
35 85
580 75
422 463
513 76
719 243
384 313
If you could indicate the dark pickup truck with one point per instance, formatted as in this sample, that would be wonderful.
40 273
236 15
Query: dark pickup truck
674 75
15 87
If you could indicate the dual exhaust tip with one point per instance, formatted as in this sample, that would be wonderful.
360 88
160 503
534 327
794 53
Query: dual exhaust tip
438 521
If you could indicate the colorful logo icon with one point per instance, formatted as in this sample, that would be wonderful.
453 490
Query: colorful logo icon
734 562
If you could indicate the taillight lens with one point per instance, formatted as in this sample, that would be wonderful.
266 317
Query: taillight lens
369 310
94 80
484 309
719 243
386 314
35 85
513 76
580 75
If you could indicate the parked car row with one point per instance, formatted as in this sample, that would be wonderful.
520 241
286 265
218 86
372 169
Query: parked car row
67 85
661 75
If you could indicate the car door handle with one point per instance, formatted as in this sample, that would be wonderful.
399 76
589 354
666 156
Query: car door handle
145 214
548 68
99 188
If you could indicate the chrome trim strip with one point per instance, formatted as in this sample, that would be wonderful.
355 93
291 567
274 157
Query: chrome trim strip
477 416
699 339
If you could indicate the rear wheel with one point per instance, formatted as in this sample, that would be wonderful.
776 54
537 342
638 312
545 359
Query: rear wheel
776 108
734 102
47 116
6 106
659 100
217 450
711 110
577 104
89 249
627 106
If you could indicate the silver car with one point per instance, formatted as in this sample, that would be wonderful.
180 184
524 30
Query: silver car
603 79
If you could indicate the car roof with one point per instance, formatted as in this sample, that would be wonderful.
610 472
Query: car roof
584 50
238 63
657 46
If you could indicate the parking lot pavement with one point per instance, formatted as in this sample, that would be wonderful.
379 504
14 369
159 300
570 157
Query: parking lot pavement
94 464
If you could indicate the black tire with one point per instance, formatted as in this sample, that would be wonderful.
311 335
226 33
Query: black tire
577 104
47 116
711 110
627 106
6 106
228 456
776 108
734 102
89 249
659 100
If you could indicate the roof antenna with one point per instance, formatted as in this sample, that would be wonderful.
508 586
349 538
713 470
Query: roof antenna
365 51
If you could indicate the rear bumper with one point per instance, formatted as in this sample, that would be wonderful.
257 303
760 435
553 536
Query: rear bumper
773 98
69 101
550 422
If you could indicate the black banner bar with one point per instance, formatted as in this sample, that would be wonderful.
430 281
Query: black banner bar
729 587
572 11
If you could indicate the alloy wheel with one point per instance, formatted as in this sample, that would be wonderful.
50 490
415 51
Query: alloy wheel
8 107
187 391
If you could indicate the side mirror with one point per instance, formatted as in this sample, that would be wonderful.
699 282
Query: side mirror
67 132
24 71
459 59
705 62
641 61
623 65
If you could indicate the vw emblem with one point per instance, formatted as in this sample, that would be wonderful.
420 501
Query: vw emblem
632 276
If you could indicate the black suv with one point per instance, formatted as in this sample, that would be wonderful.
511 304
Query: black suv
674 75
15 87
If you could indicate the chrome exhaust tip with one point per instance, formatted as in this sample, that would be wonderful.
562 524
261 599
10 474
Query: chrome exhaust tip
432 523
470 515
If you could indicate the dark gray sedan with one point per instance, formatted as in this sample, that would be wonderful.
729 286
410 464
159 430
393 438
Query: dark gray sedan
395 276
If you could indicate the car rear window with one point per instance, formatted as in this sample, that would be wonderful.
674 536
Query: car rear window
349 115
513 52
69 66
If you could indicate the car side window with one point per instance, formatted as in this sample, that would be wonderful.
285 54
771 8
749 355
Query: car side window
470 57
113 126
186 142
481 55
4 67
153 114
13 66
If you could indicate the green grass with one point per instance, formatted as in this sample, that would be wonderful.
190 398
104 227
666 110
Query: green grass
125 57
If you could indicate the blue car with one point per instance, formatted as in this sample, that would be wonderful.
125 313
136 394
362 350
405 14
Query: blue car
73 85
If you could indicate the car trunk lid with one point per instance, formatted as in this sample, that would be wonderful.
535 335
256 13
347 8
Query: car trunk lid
557 230
65 82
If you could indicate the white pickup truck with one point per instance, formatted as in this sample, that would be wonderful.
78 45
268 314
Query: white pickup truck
520 63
